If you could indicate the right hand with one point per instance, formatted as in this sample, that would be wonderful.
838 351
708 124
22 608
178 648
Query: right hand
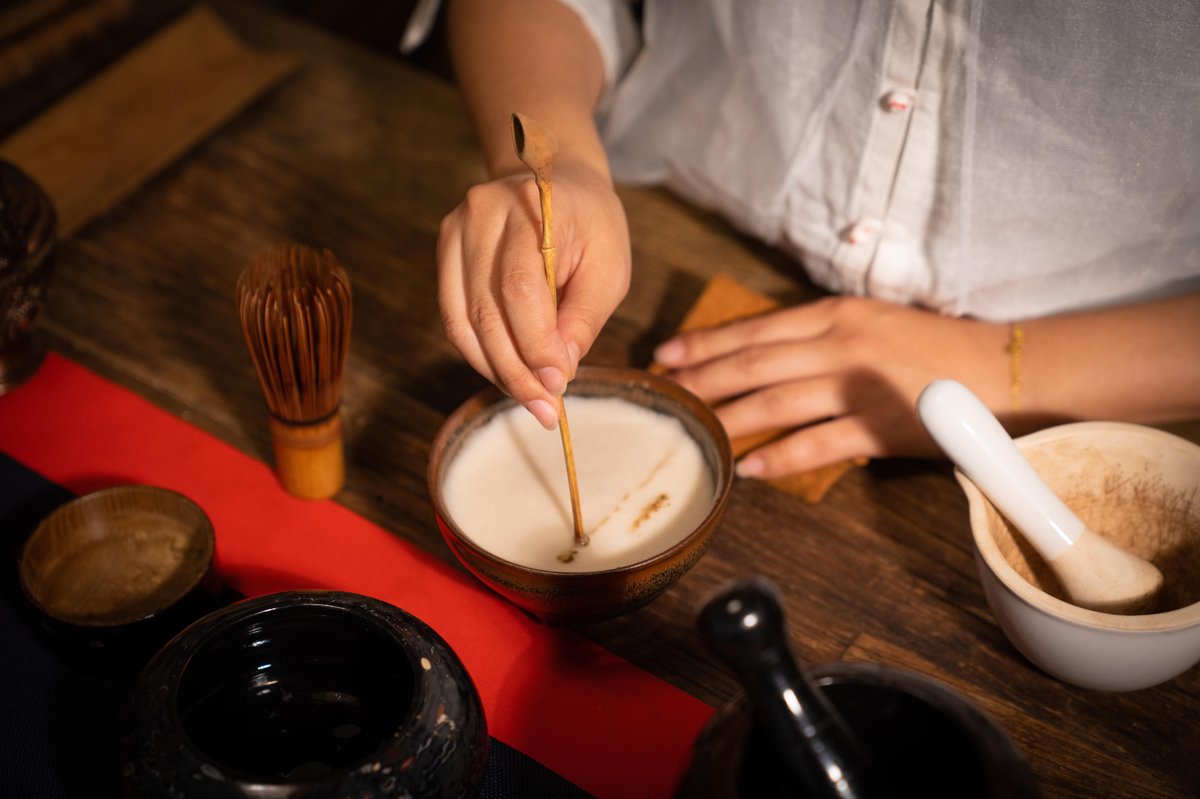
496 306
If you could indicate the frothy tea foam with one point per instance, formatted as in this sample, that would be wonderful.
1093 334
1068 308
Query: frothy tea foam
643 486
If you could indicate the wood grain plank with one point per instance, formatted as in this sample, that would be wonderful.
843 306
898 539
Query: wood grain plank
106 138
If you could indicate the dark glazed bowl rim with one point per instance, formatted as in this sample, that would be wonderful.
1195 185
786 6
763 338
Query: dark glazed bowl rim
722 740
491 401
990 740
157 692
917 684
259 608
204 527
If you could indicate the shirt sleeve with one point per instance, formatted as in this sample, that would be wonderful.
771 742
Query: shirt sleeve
419 24
615 31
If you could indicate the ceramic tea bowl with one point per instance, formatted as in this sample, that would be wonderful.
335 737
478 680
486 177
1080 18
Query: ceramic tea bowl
305 695
558 597
1137 486
111 575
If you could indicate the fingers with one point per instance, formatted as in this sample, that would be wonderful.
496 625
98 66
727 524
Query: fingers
792 404
495 325
527 304
496 306
840 439
452 301
595 255
590 299
826 432
754 367
696 347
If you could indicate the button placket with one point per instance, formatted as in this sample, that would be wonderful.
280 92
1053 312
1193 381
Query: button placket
902 266
863 231
898 100
907 31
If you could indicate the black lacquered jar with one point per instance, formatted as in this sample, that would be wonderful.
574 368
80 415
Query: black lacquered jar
28 243
305 694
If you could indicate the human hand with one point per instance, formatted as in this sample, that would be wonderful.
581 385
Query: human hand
496 307
842 374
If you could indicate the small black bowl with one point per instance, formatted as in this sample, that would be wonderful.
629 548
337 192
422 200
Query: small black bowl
110 576
922 739
305 694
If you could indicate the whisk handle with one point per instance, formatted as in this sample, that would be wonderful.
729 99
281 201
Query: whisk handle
309 460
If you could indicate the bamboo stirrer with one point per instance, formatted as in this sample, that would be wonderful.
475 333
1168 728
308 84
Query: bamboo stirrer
536 147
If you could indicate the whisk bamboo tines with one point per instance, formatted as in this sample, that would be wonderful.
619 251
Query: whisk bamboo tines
295 308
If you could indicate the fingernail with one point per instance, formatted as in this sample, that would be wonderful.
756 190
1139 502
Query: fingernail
670 353
552 378
544 412
751 466
574 352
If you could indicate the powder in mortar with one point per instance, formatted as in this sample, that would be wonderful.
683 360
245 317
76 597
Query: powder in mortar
1135 510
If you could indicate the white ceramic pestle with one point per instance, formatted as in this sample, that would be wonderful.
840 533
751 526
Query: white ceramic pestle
1095 573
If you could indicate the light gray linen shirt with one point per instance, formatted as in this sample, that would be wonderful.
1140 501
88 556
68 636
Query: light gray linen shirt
1004 159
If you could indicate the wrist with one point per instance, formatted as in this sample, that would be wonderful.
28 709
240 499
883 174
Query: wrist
582 156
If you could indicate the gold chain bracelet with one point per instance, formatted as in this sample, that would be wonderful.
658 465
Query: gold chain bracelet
1015 349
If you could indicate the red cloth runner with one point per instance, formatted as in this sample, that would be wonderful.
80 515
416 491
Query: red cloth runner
593 717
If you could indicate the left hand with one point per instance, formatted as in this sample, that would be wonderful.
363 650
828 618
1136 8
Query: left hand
843 373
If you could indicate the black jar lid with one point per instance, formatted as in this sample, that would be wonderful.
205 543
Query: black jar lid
27 219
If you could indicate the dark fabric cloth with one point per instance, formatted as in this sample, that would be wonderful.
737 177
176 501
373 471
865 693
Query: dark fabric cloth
59 721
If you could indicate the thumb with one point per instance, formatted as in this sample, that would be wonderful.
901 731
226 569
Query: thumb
585 306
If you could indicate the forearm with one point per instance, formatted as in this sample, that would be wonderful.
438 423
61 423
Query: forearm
531 56
1137 363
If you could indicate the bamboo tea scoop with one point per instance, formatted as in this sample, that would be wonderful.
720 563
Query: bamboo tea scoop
1095 573
819 755
536 147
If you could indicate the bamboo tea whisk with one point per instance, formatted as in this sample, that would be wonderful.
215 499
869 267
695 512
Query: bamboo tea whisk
536 147
295 308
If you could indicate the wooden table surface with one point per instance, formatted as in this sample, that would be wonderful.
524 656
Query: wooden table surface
364 155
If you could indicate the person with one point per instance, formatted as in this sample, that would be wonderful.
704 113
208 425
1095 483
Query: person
1003 194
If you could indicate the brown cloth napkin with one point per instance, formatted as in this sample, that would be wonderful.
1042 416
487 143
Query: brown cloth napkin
103 140
725 300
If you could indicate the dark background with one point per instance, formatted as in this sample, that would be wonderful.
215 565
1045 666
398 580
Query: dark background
375 24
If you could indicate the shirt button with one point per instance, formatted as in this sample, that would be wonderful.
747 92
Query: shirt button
898 100
861 231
